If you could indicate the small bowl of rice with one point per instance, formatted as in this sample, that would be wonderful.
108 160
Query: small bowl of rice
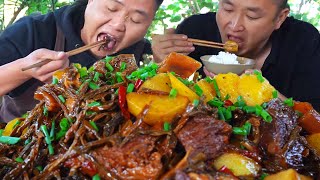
226 62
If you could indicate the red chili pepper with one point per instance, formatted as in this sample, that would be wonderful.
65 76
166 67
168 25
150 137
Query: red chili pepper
138 83
122 102
224 169
228 103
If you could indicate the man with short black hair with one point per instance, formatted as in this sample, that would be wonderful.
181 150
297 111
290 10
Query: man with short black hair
286 50
35 38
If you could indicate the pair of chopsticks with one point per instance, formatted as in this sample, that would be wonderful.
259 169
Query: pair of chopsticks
69 53
207 43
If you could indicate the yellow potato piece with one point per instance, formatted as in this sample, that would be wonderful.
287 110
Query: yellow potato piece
228 84
162 107
208 89
182 89
240 165
159 82
314 141
289 174
253 91
10 125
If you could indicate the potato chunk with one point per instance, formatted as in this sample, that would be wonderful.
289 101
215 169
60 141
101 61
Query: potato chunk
162 107
314 141
182 89
289 174
160 82
207 88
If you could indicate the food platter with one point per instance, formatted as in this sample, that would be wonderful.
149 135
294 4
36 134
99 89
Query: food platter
117 121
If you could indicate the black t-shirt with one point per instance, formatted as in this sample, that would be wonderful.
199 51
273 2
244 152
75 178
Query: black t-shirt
292 66
39 31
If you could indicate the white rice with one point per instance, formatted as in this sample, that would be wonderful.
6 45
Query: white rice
224 58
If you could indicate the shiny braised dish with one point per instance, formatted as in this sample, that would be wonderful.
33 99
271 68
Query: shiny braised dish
117 121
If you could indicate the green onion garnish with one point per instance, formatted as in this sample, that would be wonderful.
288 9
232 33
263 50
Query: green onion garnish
109 67
45 111
249 109
289 102
130 88
19 160
240 102
62 99
228 114
259 76
173 93
216 88
198 90
263 175
266 116
64 124
77 66
208 79
185 81
93 124
123 66
96 177
244 130
221 113
27 141
275 94
215 102
166 126
83 72
55 80
119 77
40 168
108 58
16 124
94 104
195 102
25 115
91 69
1 131
96 76
47 138
9 140
53 126
93 86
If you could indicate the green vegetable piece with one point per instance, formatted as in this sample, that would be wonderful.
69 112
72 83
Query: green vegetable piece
108 59
61 98
93 124
19 160
64 124
216 88
9 140
45 111
39 168
266 116
166 126
123 66
93 86
275 94
83 72
198 90
55 80
173 93
195 102
94 104
289 102
96 76
259 76
109 67
96 177
130 88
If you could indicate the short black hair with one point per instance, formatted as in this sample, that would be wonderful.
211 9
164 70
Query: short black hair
85 2
282 4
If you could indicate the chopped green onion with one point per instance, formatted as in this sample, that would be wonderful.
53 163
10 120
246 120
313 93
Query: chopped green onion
289 102
96 76
55 80
186 81
45 111
96 177
94 104
220 113
266 116
173 93
215 102
47 138
19 160
173 73
60 134
109 67
77 66
208 79
144 76
25 115
198 90
249 109
108 58
263 176
227 97
216 88
1 131
89 113
259 76
93 86
53 126
93 124
9 140
119 77
195 102
123 66
259 110
228 114
91 69
130 88
166 126
27 141
264 105
244 130
64 124
83 72
275 94
240 102
39 168
16 124
117 92
61 98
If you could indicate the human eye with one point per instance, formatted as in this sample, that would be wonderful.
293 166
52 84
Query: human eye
227 7
252 16
112 7
136 21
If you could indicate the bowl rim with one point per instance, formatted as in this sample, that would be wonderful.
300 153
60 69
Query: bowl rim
252 61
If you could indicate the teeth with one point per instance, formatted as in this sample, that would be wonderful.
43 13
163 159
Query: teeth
110 41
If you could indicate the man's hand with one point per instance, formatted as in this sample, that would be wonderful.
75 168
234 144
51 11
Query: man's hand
44 73
163 45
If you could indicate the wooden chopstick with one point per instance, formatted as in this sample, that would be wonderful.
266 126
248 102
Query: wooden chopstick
208 45
69 53
205 42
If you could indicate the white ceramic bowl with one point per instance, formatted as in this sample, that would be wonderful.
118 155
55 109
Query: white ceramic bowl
217 68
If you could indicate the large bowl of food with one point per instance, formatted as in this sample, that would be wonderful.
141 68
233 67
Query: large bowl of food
117 121
226 62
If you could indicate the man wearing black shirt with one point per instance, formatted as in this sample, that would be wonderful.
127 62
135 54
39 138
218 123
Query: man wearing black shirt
286 50
34 38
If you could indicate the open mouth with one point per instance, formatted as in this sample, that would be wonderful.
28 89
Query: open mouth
110 41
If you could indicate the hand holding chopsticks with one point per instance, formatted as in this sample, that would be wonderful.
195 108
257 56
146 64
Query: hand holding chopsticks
69 53
229 46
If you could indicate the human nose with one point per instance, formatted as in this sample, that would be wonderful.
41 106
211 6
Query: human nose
119 21
236 24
